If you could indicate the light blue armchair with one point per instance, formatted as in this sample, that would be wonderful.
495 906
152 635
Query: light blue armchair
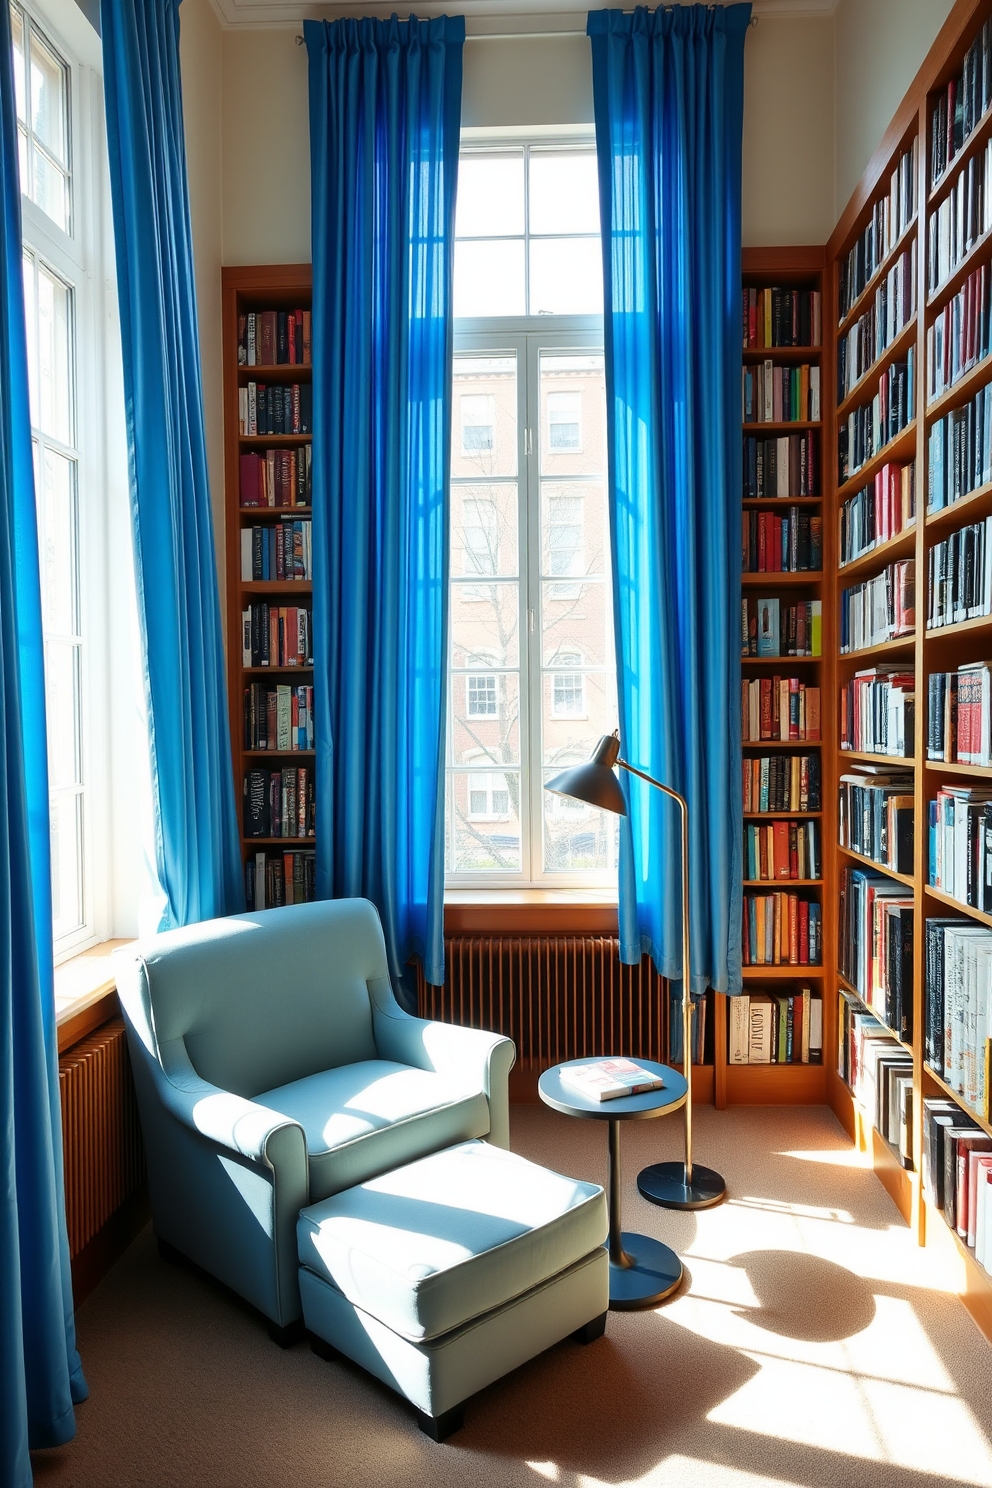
275 1068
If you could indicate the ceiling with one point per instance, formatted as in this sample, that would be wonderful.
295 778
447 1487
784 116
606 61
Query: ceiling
489 16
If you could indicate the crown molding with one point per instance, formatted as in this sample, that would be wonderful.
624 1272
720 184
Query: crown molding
516 17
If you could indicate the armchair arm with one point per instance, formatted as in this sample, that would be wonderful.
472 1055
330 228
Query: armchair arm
478 1060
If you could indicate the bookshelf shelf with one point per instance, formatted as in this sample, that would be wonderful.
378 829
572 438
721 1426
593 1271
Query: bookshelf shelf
868 293
769 503
779 660
984 772
780 353
954 281
783 426
794 971
856 857
246 291
903 545
784 883
978 136
797 745
801 576
902 447
855 993
782 815
900 761
883 648
955 904
945 1089
892 353
970 508
980 625
962 391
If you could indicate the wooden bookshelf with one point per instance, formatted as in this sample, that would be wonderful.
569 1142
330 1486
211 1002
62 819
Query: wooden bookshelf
786 1083
929 650
276 287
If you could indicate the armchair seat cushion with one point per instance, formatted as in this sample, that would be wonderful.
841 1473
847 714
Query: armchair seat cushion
428 1247
362 1119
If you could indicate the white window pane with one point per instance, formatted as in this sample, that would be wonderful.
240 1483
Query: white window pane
484 816
576 625
50 190
564 192
568 695
485 724
564 422
53 412
573 414
489 278
62 702
484 624
20 89
578 838
574 529
49 99
484 428
484 531
57 544
566 277
22 158
490 195
65 818
572 736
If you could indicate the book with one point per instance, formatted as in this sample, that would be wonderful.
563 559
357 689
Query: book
609 1079
890 217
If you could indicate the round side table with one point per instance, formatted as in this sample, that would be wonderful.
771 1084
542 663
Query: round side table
642 1270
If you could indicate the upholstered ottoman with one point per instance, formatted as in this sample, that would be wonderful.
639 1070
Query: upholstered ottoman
441 1276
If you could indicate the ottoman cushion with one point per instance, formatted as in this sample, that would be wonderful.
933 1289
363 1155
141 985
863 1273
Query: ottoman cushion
430 1246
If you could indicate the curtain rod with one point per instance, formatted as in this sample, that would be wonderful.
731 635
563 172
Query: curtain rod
536 35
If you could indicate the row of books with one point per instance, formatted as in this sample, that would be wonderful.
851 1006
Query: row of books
880 1073
875 816
791 543
957 1005
869 428
779 395
698 1029
781 850
782 929
878 512
276 635
959 451
279 803
280 878
776 1028
781 317
279 717
964 216
959 576
269 409
879 609
959 705
770 627
961 105
878 711
787 466
958 335
779 708
960 845
276 477
957 1168
875 945
892 308
891 215
781 782
277 550
268 338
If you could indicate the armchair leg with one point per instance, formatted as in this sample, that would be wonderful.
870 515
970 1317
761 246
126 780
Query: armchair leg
592 1330
322 1348
438 1428
287 1336
169 1252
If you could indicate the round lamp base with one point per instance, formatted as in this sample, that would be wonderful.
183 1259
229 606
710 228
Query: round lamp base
653 1273
664 1184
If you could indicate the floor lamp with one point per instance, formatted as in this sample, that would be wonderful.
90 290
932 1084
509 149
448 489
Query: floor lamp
673 1185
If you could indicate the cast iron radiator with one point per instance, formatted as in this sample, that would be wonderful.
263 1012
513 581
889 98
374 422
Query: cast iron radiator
101 1136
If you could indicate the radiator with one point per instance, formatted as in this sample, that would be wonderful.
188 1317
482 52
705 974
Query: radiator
557 996
101 1138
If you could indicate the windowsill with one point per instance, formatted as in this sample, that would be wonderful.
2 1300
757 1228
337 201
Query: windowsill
85 992
478 910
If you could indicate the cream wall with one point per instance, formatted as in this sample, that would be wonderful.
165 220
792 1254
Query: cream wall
880 45
201 54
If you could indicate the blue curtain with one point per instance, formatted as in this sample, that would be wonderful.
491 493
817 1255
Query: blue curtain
40 1372
197 852
385 104
668 89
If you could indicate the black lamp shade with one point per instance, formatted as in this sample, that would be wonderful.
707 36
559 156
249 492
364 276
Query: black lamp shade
594 782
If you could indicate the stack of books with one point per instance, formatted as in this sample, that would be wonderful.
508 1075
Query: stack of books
868 429
781 849
770 627
776 1028
276 477
773 394
779 708
893 306
279 803
964 216
280 878
959 451
962 104
878 512
279 718
786 466
790 543
957 1006
875 816
891 215
876 946
958 336
781 782
278 550
781 317
276 635
268 338
959 576
879 609
959 715
880 1073
609 1079
782 930
878 711
960 856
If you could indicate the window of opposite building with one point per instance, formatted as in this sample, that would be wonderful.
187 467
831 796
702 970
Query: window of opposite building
533 682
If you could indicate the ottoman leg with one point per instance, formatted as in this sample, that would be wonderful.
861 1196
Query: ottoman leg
287 1336
444 1425
591 1331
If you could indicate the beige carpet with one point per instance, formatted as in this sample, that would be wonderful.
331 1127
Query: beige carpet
807 1346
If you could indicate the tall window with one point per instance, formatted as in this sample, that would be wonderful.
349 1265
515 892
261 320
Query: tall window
55 281
532 673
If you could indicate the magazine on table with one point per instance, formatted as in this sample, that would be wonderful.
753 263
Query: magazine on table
608 1079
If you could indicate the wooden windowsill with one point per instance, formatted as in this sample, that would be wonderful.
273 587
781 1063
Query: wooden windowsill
481 911
85 992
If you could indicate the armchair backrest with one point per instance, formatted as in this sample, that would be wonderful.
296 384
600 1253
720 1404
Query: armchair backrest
257 1000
